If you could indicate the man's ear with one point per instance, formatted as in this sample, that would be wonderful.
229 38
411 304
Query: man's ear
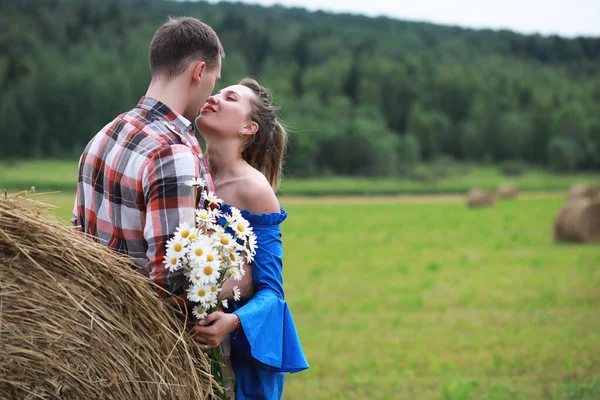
199 68
250 128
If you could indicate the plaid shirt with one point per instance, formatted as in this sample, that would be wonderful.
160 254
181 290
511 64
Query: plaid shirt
131 191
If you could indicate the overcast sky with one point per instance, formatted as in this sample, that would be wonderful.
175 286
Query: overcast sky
565 18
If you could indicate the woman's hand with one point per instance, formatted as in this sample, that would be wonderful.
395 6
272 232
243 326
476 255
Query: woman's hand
211 331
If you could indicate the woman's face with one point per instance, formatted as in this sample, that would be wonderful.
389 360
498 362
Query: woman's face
227 113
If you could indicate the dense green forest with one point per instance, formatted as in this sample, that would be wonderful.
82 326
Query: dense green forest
361 96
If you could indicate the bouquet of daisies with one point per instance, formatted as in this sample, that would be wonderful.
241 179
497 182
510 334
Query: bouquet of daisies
209 254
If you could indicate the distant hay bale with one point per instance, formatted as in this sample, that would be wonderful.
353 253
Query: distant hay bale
77 322
583 191
578 221
480 198
508 191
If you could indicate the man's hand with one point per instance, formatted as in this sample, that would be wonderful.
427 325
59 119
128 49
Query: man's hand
211 331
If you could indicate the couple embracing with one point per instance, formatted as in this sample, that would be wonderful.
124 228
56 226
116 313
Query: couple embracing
132 195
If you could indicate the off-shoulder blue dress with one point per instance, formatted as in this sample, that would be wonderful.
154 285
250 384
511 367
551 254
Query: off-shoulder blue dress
267 345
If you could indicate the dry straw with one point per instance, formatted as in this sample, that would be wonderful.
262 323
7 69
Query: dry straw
578 221
78 323
480 198
583 190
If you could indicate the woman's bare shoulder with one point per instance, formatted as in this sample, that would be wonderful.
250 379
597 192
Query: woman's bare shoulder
256 195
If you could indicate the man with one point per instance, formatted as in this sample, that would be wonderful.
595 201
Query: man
131 191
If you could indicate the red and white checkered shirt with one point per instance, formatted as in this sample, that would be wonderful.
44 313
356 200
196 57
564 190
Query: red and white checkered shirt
131 191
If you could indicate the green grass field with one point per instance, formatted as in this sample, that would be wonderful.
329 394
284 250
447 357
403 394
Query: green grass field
422 298
456 178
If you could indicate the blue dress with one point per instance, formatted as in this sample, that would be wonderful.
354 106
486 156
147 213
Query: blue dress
267 345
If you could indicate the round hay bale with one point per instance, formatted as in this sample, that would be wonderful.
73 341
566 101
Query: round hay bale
480 198
578 221
583 191
508 191
77 322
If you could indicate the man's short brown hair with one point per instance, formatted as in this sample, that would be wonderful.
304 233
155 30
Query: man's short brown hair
180 41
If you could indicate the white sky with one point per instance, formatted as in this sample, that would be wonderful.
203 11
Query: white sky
565 18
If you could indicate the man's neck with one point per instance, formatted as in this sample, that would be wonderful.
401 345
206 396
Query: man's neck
170 93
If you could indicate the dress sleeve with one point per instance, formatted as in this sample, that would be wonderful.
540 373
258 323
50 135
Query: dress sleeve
268 333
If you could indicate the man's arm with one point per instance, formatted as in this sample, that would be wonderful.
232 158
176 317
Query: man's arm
169 202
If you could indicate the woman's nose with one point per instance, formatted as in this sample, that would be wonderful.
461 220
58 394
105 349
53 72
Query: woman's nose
212 100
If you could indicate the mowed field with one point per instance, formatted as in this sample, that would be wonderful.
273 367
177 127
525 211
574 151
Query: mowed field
422 298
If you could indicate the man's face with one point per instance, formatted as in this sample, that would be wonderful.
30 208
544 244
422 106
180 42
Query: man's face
207 85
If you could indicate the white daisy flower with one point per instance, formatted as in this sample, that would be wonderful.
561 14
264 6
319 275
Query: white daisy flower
172 262
215 289
199 249
233 215
218 230
226 240
235 273
176 247
248 257
232 257
216 213
199 293
196 276
199 312
211 301
242 228
211 254
212 199
193 234
224 303
249 250
209 272
196 182
203 216
251 242
224 257
183 231
237 294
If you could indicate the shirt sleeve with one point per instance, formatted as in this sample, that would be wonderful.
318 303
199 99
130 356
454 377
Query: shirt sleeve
169 202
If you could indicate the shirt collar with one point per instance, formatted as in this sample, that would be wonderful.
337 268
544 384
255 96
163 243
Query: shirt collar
162 110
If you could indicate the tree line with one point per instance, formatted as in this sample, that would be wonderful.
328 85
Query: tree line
360 96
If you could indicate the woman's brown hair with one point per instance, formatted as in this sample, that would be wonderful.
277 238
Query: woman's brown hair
265 149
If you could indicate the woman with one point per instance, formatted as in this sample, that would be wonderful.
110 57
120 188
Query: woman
245 145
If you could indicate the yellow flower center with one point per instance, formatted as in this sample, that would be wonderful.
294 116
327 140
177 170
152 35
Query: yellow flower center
224 241
241 228
177 247
224 259
213 289
210 257
204 217
193 236
232 257
201 292
173 260
199 252
185 233
208 271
